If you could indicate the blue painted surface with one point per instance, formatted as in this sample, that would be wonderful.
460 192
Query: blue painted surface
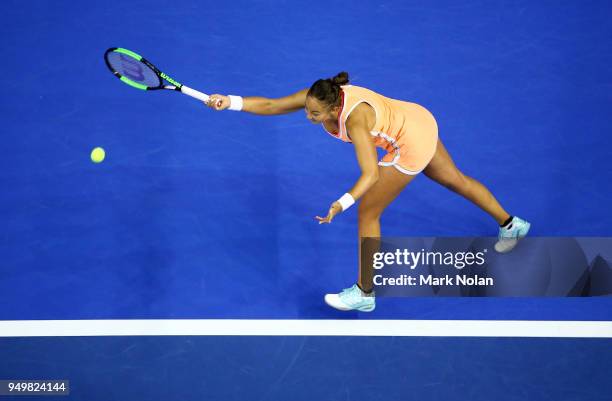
315 368
199 214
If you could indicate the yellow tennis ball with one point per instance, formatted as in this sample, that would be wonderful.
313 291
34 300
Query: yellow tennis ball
97 155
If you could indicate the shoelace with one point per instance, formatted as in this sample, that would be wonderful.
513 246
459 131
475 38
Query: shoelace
352 295
346 290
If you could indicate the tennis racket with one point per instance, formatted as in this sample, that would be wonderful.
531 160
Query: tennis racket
139 73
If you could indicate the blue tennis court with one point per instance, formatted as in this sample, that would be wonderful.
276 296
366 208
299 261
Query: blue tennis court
197 215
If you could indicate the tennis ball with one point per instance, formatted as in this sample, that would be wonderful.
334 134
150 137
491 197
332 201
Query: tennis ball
97 155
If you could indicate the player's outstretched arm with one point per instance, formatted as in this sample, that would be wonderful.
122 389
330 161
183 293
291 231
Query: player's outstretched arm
358 128
260 105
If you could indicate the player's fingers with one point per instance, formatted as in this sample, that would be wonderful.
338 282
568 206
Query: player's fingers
217 103
222 103
214 102
325 219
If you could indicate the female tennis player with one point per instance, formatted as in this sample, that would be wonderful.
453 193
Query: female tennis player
409 134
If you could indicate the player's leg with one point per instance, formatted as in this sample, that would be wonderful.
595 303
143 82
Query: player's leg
389 185
443 170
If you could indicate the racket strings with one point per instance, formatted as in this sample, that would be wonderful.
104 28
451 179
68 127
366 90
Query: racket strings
133 69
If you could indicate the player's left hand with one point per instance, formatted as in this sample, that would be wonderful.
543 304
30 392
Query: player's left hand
333 211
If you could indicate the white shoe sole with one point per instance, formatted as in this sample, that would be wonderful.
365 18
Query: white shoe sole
334 301
506 245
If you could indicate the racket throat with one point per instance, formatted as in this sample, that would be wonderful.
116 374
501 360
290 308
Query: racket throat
172 81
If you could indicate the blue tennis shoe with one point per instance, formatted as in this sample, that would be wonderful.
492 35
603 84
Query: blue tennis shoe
510 235
351 299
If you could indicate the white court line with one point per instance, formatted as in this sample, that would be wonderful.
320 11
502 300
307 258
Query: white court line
288 327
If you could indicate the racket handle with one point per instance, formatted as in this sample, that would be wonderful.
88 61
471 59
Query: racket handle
194 93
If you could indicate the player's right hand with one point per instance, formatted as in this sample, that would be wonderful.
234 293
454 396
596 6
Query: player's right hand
218 102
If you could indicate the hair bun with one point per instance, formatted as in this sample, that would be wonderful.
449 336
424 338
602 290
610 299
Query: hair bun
342 78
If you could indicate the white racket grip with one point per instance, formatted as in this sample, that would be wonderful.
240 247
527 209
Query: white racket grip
194 93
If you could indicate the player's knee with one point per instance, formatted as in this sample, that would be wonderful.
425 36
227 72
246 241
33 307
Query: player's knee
368 212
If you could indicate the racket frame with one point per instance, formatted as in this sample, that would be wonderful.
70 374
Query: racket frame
177 86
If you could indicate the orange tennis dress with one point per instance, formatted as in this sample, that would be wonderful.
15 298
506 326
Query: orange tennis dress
407 131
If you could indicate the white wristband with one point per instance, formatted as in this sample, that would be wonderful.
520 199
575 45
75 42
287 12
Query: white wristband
235 103
346 201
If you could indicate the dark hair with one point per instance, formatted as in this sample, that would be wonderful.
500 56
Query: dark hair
327 91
